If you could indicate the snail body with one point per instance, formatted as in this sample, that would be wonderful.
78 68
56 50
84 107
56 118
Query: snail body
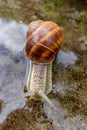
40 78
43 42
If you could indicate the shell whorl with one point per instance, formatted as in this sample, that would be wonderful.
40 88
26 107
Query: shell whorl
43 41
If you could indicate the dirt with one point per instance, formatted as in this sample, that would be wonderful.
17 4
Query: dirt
31 117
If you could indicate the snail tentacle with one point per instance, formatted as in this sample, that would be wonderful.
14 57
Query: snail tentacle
29 93
43 95
3 104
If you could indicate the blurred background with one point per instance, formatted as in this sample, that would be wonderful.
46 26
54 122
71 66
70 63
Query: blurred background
69 92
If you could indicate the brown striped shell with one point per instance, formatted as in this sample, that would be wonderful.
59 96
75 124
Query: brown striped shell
43 41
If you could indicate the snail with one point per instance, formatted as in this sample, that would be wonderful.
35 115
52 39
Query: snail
43 41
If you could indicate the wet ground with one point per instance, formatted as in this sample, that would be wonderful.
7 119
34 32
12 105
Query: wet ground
69 92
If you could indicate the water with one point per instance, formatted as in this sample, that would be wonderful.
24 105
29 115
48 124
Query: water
67 58
12 35
13 63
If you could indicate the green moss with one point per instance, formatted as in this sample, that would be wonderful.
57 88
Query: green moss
83 23
19 10
55 3
51 10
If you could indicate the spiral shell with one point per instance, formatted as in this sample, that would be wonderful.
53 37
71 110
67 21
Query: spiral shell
43 41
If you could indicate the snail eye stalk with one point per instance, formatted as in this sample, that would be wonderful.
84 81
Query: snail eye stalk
3 104
43 95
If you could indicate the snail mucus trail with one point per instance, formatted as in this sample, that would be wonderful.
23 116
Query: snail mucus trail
44 39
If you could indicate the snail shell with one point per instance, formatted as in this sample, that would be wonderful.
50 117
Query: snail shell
43 41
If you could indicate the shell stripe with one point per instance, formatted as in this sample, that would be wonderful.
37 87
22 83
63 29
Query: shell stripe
39 28
36 27
44 38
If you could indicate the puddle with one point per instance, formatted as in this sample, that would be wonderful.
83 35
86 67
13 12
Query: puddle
66 58
12 35
12 64
61 121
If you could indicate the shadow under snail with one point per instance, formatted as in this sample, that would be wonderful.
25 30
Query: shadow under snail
44 39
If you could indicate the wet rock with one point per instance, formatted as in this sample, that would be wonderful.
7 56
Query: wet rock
62 123
12 35
83 43
83 40
13 64
58 88
67 58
